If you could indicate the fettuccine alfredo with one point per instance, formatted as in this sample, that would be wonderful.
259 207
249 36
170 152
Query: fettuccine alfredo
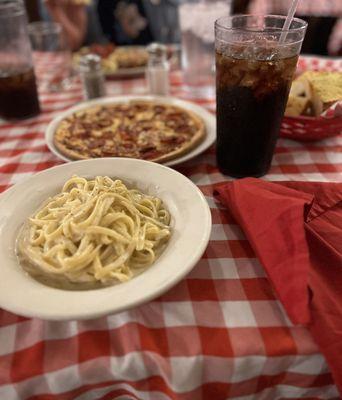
95 232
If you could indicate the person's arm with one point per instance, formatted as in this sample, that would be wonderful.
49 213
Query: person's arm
335 40
72 17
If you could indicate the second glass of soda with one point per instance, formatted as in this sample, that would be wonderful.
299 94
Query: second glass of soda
18 89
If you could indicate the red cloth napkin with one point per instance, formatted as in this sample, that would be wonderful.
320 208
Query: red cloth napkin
295 229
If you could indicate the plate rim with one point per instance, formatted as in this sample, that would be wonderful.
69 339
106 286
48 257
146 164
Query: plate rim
60 315
134 72
207 116
121 72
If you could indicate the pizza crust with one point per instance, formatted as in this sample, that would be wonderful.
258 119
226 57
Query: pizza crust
195 141
177 152
73 155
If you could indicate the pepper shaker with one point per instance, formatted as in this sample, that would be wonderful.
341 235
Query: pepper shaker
92 76
157 72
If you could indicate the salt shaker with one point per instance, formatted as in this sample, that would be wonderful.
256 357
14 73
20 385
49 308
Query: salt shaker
92 76
157 72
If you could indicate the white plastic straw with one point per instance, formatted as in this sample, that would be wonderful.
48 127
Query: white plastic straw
288 21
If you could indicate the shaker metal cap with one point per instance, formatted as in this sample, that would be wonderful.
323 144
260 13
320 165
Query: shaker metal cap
156 49
90 62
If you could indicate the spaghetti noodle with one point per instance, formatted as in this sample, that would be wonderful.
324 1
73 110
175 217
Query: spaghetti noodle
95 232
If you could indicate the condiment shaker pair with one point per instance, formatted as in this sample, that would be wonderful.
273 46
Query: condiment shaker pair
157 73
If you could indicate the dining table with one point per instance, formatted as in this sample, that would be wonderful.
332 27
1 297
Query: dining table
220 333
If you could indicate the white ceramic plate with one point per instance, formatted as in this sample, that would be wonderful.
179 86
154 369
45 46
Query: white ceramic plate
191 226
126 73
208 118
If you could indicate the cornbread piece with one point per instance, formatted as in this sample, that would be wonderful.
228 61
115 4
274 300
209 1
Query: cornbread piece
299 98
300 88
326 88
296 106
138 129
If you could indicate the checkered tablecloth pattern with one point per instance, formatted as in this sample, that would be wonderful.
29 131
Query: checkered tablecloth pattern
219 334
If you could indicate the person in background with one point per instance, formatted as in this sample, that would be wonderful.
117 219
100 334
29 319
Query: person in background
122 22
139 22
163 19
324 17
78 19
335 42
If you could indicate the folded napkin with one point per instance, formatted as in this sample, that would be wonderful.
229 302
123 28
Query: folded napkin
295 229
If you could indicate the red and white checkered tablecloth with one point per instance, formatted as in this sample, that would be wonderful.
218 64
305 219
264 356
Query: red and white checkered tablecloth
219 334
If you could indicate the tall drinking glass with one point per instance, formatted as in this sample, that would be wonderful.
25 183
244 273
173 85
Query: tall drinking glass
197 18
18 90
52 56
255 64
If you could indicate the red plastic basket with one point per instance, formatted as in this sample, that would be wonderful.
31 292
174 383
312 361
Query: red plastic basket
307 129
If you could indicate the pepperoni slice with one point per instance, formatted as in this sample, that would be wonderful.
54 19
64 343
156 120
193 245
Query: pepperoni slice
150 155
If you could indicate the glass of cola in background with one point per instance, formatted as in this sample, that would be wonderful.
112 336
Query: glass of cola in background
255 63
18 90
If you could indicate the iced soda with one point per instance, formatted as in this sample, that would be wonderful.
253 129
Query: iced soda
253 79
18 94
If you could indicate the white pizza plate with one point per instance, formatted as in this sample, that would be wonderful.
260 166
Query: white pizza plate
191 226
208 118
